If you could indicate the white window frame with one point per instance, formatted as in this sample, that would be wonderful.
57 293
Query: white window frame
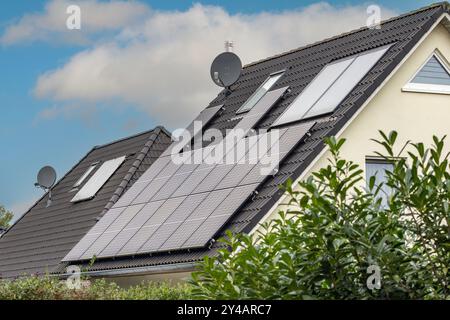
425 87
280 73
378 160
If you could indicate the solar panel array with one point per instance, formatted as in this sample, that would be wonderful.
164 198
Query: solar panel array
330 87
179 206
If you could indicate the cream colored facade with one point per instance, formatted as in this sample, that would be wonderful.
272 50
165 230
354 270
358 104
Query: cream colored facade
415 116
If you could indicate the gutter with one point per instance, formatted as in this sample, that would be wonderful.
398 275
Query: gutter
148 270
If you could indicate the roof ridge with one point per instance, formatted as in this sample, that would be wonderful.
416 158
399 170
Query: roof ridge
125 138
443 4
157 131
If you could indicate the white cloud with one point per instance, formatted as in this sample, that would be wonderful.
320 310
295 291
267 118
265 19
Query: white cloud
96 17
86 112
161 65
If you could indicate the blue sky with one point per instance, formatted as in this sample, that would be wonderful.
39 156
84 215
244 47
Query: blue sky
47 117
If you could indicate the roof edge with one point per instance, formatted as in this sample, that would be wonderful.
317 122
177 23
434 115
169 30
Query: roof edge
159 128
445 5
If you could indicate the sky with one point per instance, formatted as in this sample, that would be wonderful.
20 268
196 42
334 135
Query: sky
132 65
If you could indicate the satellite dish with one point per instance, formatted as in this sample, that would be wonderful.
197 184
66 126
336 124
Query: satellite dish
46 177
226 69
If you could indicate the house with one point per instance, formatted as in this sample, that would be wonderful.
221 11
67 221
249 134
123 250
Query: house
350 86
38 241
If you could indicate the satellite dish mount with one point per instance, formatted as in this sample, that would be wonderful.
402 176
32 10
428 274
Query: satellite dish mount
46 179
226 67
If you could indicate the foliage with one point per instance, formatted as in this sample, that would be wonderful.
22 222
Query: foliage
5 217
51 288
336 228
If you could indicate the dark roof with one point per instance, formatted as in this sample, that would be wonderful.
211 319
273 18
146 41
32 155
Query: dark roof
302 66
38 241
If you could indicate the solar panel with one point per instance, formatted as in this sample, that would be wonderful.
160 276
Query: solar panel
78 250
90 188
239 171
171 186
331 86
194 180
159 237
291 137
346 82
204 117
219 216
186 208
173 210
260 109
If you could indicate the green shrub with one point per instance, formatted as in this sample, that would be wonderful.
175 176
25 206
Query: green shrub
51 288
5 217
336 228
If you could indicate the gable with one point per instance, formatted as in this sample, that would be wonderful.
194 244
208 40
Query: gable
416 116
433 72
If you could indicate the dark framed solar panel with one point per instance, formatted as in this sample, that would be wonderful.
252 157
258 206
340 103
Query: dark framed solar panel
193 180
129 232
204 117
159 237
185 204
176 240
171 186
251 158
260 109
138 239
288 140
164 211
93 234
214 178
214 222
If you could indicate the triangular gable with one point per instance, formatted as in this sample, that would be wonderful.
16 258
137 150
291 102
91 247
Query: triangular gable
432 77
433 72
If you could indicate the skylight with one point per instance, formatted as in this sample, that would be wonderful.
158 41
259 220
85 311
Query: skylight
432 77
331 86
85 175
100 177
260 92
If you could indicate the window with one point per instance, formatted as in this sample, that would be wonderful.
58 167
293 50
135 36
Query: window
85 175
260 92
378 168
330 87
432 77
100 177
